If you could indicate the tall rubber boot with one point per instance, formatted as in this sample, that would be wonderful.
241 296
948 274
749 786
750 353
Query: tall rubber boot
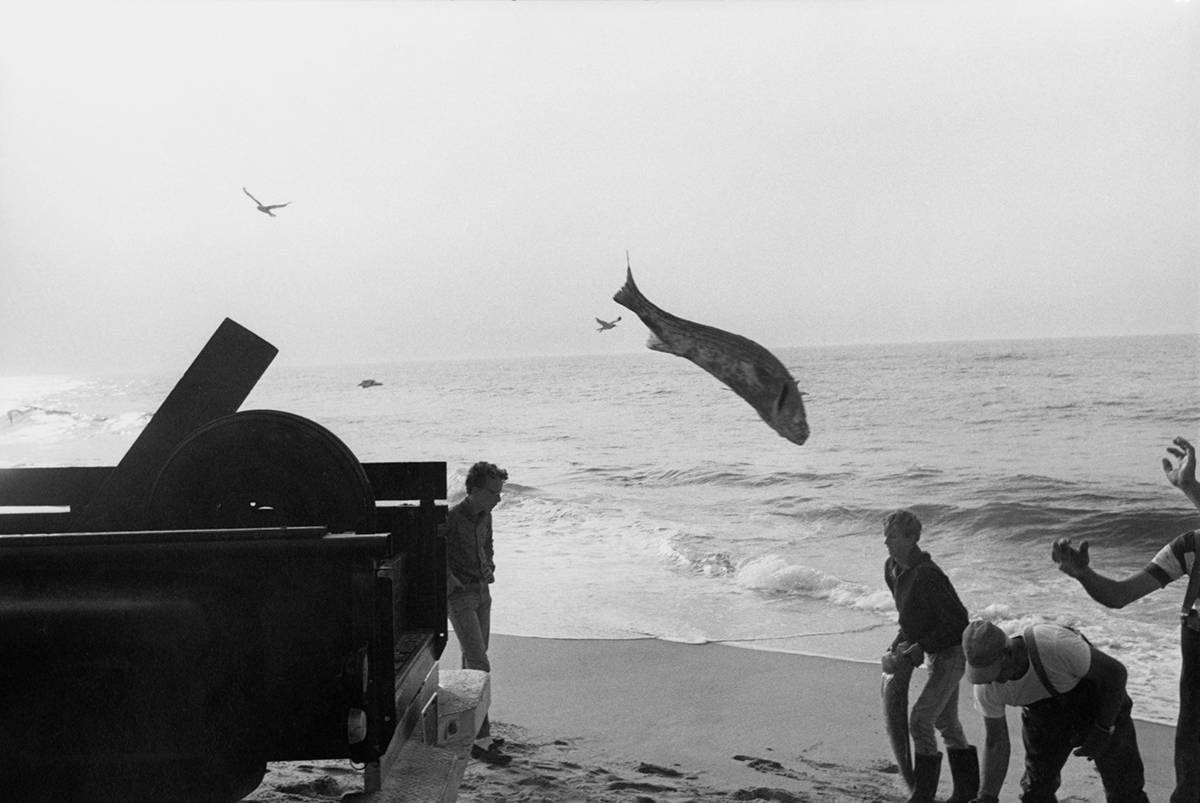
926 771
964 769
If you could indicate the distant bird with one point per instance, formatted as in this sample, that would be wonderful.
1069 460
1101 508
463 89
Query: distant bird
369 383
606 325
265 209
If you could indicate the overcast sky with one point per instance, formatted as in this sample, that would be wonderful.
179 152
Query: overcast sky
465 178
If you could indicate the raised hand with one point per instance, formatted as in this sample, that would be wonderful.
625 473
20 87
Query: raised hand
1182 471
1071 561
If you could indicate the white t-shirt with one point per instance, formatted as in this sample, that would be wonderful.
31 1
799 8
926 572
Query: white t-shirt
1066 657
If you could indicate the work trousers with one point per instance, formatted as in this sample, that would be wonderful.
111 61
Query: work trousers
1053 727
937 707
1187 728
470 612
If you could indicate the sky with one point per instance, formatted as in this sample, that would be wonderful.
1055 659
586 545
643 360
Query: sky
465 179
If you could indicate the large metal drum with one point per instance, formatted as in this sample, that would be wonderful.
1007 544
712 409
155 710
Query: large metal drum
262 468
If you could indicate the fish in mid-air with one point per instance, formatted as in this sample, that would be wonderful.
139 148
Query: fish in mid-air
265 209
605 325
747 368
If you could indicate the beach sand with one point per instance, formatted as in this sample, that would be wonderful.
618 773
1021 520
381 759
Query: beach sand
646 720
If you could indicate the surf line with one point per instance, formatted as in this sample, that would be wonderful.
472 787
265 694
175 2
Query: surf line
862 629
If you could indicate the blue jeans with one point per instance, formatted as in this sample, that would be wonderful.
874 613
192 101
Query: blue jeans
1187 728
937 707
470 612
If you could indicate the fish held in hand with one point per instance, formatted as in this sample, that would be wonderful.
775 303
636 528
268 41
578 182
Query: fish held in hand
747 368
897 675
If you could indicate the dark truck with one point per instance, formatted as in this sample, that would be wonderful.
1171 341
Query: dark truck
238 590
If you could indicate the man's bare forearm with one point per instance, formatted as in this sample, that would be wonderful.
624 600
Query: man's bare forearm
996 751
1105 590
995 767
1114 593
1192 492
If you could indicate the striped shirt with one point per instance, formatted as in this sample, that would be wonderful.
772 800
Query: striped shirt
1174 560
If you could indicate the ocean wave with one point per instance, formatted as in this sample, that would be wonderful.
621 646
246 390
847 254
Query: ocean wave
775 575
51 424
1022 509
749 476
1006 356
1064 407
19 415
1133 528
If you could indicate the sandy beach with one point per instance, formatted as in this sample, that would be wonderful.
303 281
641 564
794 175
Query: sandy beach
646 720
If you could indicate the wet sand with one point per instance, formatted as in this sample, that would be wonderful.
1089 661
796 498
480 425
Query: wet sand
645 720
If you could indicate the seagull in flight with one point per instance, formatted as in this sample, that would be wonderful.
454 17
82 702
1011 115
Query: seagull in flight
264 209
605 325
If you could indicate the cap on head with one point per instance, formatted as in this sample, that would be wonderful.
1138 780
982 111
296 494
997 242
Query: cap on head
984 645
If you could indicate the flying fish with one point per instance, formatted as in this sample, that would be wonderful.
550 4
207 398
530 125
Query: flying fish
747 368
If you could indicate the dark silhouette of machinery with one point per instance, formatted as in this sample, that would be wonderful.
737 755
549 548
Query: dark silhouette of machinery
238 589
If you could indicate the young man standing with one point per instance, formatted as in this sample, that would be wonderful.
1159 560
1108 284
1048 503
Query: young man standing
470 569
931 625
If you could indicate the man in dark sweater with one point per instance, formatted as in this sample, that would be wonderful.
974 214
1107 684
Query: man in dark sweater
932 620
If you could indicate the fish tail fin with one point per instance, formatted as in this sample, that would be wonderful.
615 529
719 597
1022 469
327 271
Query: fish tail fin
629 295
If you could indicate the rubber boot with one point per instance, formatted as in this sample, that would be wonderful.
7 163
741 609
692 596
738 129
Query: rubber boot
926 770
964 769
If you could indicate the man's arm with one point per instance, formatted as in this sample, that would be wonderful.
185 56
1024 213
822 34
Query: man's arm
1180 469
996 751
1107 591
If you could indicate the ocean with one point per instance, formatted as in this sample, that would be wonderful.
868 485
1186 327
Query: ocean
646 499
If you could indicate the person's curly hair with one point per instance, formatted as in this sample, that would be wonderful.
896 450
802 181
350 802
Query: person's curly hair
481 472
906 520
